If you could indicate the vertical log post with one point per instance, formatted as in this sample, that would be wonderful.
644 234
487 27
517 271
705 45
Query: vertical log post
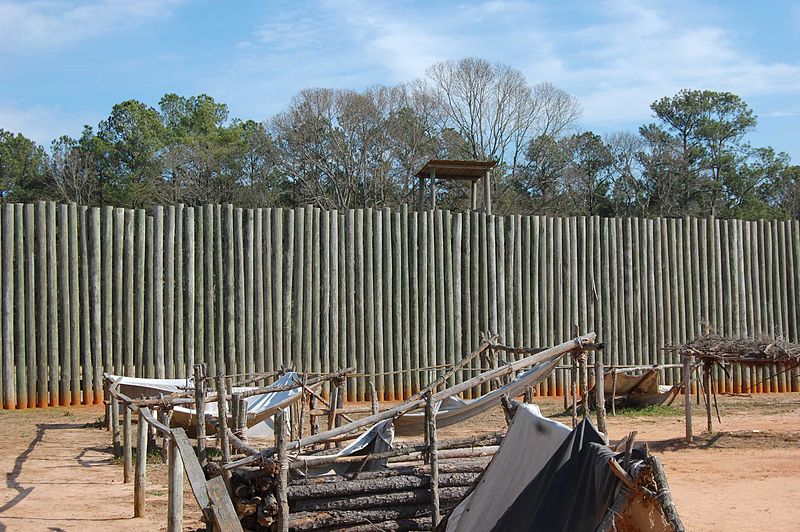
302 422
332 409
573 390
614 391
283 475
163 417
241 425
687 395
600 396
140 481
430 429
313 419
200 409
707 388
175 495
115 435
127 467
222 415
374 397
584 384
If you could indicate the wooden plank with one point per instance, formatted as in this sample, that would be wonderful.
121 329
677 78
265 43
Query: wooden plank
194 471
221 506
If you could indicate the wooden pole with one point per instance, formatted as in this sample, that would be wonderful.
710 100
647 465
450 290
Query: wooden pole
140 481
115 436
430 415
573 390
707 388
222 415
175 494
433 189
487 193
128 451
584 384
200 409
374 397
281 488
614 392
687 395
599 390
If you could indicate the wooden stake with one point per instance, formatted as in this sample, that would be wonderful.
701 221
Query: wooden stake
128 451
430 415
374 397
200 409
707 387
687 395
115 436
599 390
614 392
584 384
573 390
140 481
281 487
222 432
175 495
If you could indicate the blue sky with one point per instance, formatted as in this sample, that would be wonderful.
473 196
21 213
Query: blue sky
64 64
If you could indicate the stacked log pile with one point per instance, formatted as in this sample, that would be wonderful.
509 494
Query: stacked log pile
397 498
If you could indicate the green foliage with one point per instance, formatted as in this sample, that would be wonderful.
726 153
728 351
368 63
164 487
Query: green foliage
651 411
343 149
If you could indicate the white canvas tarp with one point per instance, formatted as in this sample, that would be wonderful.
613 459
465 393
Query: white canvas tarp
529 444
456 410
260 408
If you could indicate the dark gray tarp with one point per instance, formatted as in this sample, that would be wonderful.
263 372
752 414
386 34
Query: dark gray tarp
571 493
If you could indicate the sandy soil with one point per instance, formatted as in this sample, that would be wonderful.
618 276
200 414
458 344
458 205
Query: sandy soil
60 475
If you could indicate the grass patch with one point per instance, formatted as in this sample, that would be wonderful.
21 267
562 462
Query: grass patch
650 411
154 456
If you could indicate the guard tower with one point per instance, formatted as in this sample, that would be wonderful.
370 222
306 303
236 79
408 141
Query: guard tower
471 171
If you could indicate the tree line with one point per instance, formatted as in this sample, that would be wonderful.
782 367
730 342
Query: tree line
341 149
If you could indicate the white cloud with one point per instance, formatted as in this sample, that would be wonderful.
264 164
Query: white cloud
43 24
39 122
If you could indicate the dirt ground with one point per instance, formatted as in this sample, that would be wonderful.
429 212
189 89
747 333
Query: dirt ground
60 474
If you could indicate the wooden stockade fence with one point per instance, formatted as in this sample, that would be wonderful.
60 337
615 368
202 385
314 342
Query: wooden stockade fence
391 293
